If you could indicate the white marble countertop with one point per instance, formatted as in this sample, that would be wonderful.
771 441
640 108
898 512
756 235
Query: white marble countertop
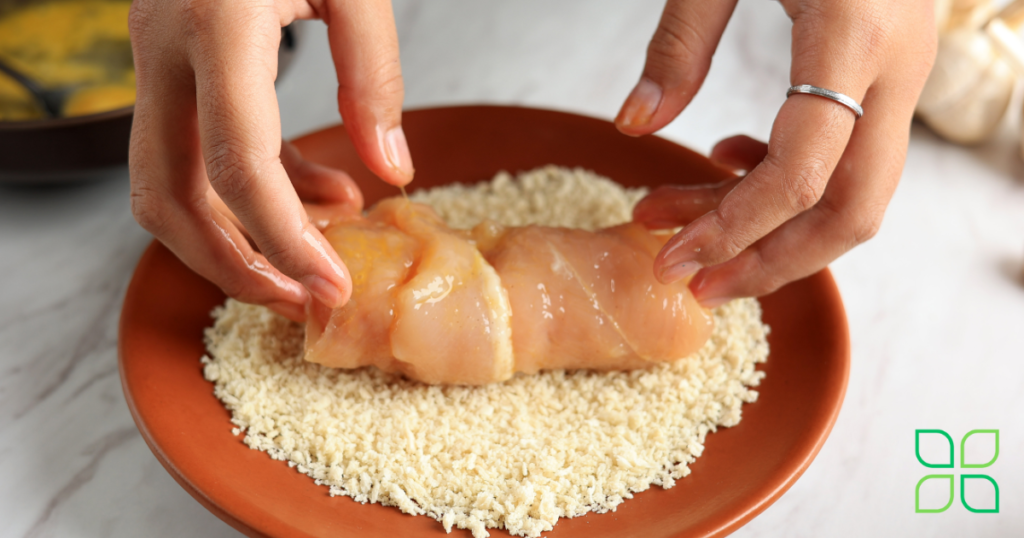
935 301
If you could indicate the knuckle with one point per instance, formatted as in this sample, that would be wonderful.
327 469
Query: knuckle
284 257
233 173
389 83
196 15
803 189
867 227
875 34
205 23
149 210
877 30
382 87
139 17
729 245
676 41
857 224
237 287
767 279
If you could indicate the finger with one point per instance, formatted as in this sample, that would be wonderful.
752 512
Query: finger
793 251
224 253
364 45
741 153
678 59
672 206
807 140
168 179
849 213
206 241
240 133
678 205
316 183
326 192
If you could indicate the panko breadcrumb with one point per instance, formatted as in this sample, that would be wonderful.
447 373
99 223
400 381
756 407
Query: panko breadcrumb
517 455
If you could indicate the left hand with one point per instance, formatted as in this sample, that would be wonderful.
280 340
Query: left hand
821 184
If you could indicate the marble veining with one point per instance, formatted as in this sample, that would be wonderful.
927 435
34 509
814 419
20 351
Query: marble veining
935 301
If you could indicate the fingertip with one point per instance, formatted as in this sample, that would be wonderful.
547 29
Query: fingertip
697 283
325 291
329 281
364 46
671 206
654 215
669 274
637 112
642 209
323 184
717 285
396 148
317 183
739 153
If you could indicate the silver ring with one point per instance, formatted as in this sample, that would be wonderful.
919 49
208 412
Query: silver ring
844 100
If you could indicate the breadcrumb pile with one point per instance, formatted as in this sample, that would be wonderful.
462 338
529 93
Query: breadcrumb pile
548 196
517 455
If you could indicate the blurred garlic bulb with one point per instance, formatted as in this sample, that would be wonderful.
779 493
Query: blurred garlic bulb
968 90
962 14
942 8
971 84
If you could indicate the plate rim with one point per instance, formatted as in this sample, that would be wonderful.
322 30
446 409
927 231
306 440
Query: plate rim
795 467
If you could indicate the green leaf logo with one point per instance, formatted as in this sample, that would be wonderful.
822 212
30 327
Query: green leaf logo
917 494
963 500
963 450
917 449
964 464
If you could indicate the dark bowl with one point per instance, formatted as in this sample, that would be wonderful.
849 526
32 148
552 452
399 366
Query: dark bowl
64 149
81 148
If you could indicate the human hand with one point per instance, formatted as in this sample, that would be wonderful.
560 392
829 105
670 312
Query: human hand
821 184
207 127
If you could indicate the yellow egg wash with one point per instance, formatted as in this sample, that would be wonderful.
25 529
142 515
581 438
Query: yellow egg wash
77 44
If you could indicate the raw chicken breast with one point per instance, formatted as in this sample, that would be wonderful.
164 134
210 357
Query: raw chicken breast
424 302
452 317
379 257
437 304
590 300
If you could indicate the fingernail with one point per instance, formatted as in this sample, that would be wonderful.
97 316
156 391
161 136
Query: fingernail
321 250
715 302
397 150
678 271
641 104
324 291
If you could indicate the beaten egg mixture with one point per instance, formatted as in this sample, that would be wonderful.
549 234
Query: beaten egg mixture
77 44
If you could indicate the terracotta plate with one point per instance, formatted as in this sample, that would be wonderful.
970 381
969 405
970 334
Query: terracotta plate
743 470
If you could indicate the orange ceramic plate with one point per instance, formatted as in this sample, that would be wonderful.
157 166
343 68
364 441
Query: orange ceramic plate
742 471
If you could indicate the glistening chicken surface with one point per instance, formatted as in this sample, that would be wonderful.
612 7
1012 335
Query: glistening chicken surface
472 307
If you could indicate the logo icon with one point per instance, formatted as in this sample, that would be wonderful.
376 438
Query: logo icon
950 477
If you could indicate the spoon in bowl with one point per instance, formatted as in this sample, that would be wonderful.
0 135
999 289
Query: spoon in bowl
51 101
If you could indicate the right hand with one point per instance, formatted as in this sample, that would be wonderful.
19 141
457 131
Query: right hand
207 126
821 184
